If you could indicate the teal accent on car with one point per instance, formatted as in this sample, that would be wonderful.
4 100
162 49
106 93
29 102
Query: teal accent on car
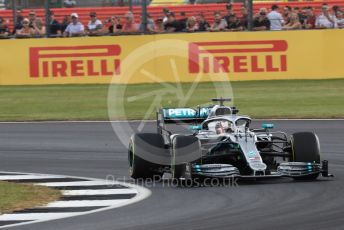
267 126
204 112
186 113
179 113
195 127
198 168
251 154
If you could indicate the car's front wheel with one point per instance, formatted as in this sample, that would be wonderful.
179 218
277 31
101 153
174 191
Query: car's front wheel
305 148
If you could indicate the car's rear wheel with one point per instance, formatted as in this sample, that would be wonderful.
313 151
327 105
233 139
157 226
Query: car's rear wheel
182 146
140 144
305 148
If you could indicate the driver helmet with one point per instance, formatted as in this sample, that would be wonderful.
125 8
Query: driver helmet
219 128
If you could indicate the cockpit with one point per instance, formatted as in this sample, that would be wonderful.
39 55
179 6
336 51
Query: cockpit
220 126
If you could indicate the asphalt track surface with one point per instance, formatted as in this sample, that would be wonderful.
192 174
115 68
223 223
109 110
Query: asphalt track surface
93 150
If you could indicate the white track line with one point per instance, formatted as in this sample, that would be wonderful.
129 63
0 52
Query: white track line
86 203
141 193
97 192
28 177
79 183
34 216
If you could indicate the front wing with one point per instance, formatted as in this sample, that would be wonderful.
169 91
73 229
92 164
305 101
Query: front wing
288 169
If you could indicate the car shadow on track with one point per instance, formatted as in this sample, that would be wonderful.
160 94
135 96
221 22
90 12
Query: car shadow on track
217 182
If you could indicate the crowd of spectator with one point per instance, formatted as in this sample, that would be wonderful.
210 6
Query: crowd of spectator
274 19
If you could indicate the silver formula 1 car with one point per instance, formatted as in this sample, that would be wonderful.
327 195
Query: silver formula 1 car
222 145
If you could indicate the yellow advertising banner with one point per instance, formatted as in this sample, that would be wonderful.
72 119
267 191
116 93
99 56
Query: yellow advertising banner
234 56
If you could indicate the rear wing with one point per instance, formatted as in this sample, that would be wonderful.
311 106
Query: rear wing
183 115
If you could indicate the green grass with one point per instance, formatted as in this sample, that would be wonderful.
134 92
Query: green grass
15 197
259 99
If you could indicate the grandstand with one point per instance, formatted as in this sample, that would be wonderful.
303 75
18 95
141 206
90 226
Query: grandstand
156 11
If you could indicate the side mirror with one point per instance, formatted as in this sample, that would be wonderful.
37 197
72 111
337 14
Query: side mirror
267 126
195 127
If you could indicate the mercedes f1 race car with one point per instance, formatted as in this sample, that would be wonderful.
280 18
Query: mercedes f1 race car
221 144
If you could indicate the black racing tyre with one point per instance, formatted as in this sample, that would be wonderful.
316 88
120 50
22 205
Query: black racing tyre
181 146
142 143
305 148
